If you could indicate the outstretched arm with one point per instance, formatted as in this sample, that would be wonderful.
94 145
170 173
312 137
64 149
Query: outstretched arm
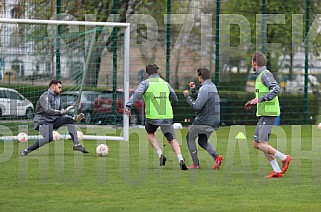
142 87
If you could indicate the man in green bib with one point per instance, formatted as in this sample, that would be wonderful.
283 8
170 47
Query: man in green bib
266 99
159 97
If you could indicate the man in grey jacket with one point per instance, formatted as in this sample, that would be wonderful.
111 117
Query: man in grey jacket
206 103
49 115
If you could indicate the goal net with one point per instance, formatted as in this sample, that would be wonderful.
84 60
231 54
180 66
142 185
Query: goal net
90 58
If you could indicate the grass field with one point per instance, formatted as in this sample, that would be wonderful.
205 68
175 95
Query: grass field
54 178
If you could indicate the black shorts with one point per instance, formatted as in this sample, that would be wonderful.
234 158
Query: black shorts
167 129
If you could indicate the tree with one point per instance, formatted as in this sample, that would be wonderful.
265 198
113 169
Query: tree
276 33
103 10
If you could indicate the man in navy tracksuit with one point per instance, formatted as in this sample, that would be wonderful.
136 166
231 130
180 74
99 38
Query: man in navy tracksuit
50 115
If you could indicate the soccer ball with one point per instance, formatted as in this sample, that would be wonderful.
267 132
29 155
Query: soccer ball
80 135
319 126
178 126
102 150
22 137
56 135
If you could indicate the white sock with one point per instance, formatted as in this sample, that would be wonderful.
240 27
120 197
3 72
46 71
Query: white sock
159 152
179 157
275 166
280 155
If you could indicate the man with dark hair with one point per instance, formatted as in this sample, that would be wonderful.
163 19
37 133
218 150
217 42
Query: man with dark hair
151 69
266 99
158 96
49 115
206 103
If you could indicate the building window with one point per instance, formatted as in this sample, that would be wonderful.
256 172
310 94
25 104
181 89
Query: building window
37 68
48 67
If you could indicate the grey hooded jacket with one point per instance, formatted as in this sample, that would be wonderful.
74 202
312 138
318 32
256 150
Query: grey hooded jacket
206 103
48 108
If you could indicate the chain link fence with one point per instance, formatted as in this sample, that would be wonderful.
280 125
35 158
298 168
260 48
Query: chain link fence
179 36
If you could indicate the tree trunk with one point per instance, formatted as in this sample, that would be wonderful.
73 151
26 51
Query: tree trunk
291 67
178 56
94 66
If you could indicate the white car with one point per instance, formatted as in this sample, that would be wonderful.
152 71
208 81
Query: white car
12 103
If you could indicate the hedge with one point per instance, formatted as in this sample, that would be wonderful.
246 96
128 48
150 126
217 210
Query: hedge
233 112
232 106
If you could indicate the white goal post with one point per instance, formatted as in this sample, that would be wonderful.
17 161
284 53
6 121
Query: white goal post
124 136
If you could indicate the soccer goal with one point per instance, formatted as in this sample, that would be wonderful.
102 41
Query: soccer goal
90 58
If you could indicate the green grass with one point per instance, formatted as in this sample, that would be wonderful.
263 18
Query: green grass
54 178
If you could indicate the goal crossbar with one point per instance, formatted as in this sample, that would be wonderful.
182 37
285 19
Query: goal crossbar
58 22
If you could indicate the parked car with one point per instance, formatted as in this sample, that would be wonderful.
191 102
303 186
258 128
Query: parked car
13 104
103 108
85 106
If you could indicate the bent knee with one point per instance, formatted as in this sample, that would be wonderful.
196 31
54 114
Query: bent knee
169 136
150 134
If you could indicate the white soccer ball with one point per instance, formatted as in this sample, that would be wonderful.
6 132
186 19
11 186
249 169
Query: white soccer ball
102 150
178 126
56 135
80 135
22 137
